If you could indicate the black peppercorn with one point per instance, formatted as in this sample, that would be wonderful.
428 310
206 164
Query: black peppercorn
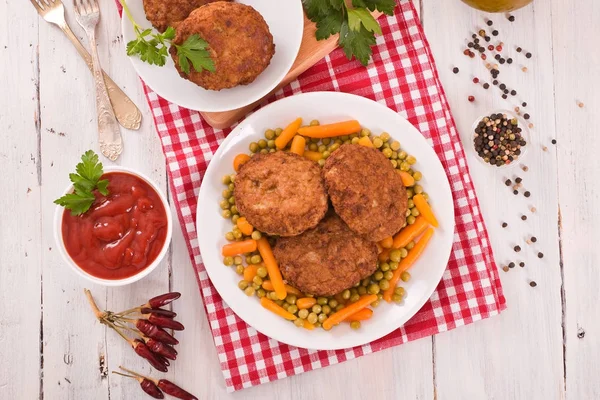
518 180
521 264
474 36
508 182
526 116
497 56
504 224
487 85
502 86
509 60
487 38
495 32
511 265
527 194
540 255
524 104
490 22
455 70
505 91
533 239
519 49
470 45
515 192
524 217
502 61
532 284
517 248
528 55
504 96
511 18
553 141
513 92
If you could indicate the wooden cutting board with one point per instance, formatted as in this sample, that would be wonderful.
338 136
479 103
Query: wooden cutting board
311 51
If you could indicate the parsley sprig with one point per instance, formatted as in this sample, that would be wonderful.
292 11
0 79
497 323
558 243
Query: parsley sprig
355 24
85 181
152 47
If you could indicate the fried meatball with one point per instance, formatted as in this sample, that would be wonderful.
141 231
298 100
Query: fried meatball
239 40
280 193
165 13
327 259
366 191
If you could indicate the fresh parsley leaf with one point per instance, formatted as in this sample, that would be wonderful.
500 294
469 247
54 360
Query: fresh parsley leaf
316 9
358 16
85 181
357 43
385 6
329 25
194 50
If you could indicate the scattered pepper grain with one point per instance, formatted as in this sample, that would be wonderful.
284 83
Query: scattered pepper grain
532 284
504 224
455 70
517 248
540 255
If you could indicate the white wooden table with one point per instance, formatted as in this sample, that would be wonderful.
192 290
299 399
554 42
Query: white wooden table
545 346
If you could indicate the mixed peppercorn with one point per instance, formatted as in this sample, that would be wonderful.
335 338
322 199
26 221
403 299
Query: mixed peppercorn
498 140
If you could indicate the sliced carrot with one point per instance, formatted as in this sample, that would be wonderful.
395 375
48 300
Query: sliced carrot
345 312
298 144
268 285
273 307
244 226
384 255
407 178
313 155
306 302
233 249
330 130
407 262
308 325
425 209
288 133
409 232
239 160
386 243
361 315
365 141
250 272
272 267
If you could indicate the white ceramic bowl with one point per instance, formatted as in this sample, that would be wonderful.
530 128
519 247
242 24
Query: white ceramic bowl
114 282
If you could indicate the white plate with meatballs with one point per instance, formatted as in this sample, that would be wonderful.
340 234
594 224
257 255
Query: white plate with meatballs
253 44
333 210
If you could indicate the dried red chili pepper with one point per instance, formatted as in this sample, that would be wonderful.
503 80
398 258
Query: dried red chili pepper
159 311
170 388
143 351
155 332
150 388
160 348
163 299
164 322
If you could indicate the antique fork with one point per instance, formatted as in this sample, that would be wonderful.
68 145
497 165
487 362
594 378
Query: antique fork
109 135
128 115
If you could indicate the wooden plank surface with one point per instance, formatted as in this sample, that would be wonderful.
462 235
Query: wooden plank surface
520 354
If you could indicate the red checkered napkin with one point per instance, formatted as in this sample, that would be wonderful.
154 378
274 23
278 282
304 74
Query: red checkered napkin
402 76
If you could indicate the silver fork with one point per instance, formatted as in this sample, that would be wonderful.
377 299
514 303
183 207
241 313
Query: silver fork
127 113
109 135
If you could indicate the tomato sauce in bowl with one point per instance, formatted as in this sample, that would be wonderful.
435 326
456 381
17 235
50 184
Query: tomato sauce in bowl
122 233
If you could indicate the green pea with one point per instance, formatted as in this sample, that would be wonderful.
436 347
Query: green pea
402 155
231 186
321 162
404 166
355 325
374 288
256 235
298 323
321 148
409 193
228 261
417 176
346 294
362 290
239 269
333 303
384 284
237 234
278 131
386 146
314 122
353 290
316 308
394 163
322 300
226 214
410 245
262 143
404 252
395 255
291 299
293 308
414 212
243 284
326 141
322 318
235 218
237 260
387 152
224 204
375 303
229 236
255 286
394 155
365 282
411 160
255 259
271 144
425 196
384 267
354 297
393 265
226 180
395 145
279 302
396 298
264 151
388 275
418 189
334 147
248 259
303 313
253 147
378 275
410 219
410 171
410 203
377 142
344 138
269 134
365 132
261 293
339 307
405 276
258 280
326 309
400 291
273 296
231 200
354 140
226 193
262 272
312 318
326 154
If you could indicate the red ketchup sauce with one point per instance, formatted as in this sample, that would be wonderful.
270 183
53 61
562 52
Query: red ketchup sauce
122 233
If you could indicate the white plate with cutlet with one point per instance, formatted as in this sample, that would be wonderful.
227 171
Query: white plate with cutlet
246 57
325 107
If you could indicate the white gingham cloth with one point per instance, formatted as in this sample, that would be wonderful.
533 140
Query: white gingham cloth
402 76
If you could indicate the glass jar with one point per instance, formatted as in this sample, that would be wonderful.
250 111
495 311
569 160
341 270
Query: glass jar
497 5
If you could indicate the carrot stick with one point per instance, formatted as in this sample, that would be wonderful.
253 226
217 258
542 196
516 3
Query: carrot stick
298 143
273 307
409 232
306 302
425 209
313 155
407 262
330 130
308 325
239 160
407 179
244 226
268 285
365 141
272 267
345 312
384 255
385 243
250 272
233 249
361 315
288 133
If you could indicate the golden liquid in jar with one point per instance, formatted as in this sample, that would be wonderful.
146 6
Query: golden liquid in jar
497 5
